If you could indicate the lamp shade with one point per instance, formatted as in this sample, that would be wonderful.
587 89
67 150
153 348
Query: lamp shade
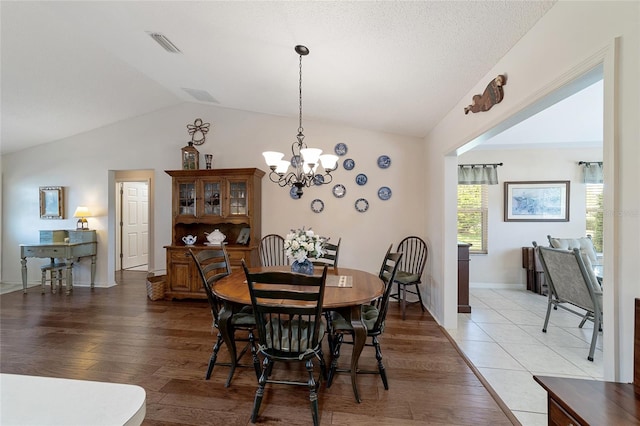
82 211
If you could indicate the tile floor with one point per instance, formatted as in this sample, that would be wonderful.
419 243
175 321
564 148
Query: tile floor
503 338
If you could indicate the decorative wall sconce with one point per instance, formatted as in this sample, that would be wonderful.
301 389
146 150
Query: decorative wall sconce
82 213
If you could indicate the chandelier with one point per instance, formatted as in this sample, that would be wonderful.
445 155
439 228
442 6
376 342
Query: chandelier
303 169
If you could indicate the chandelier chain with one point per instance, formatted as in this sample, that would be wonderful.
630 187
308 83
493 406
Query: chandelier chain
300 129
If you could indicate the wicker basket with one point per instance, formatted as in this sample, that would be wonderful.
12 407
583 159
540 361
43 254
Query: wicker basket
155 286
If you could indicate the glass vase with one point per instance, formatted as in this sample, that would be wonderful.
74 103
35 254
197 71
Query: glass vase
304 267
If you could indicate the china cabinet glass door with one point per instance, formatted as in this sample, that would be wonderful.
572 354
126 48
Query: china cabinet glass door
187 198
211 198
238 198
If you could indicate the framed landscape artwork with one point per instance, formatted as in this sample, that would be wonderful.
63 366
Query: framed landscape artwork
51 202
536 201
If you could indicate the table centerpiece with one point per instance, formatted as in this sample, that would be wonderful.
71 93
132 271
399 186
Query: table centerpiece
299 246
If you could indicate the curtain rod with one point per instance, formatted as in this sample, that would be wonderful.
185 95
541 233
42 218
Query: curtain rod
483 165
588 163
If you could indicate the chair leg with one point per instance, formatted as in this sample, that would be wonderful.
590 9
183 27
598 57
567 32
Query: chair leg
546 319
44 280
383 373
266 370
337 342
419 297
594 336
323 366
214 355
403 299
254 355
313 392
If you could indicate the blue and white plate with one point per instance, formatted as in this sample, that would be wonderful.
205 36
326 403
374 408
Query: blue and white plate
318 179
348 164
317 205
361 179
293 192
339 191
362 205
340 149
384 161
295 160
384 193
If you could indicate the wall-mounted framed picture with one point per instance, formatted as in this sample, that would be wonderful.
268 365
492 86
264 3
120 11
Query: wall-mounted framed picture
536 201
51 202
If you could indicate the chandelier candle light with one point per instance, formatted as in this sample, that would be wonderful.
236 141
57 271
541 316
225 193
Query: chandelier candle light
305 161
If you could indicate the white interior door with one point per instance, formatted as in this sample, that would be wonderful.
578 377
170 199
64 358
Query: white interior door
135 224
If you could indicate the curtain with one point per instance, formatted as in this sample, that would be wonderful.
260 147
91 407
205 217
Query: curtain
478 174
591 172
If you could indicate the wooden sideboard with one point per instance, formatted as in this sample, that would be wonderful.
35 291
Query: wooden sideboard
594 402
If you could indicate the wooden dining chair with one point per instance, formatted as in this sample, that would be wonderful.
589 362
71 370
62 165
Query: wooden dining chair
374 316
272 251
330 256
290 327
410 271
213 265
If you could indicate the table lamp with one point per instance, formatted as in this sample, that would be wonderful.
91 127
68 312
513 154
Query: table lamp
82 212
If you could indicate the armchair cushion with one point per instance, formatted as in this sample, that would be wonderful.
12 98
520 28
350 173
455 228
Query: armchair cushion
369 315
278 332
406 278
584 244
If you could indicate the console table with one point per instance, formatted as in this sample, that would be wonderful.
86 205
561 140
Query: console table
69 245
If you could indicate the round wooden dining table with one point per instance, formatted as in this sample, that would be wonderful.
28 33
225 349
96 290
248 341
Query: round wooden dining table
348 301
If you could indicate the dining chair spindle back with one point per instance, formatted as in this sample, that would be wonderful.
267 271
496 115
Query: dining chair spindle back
414 259
288 315
374 316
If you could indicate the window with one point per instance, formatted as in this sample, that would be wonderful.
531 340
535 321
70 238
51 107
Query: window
473 210
595 213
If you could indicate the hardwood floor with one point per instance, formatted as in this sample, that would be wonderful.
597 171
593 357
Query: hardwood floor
118 335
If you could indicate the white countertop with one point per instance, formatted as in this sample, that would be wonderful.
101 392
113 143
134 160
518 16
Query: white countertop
31 400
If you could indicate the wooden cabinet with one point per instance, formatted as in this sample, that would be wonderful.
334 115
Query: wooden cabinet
204 200
463 278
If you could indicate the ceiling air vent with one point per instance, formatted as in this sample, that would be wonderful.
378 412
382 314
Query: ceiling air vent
164 42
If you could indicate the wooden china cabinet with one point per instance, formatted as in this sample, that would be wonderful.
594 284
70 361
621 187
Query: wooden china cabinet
229 200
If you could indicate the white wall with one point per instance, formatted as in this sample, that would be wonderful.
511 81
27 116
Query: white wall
569 40
503 263
84 164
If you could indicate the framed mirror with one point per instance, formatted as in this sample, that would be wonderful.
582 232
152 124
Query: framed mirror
51 202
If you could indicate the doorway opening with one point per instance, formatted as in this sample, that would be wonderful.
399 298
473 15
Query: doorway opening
131 233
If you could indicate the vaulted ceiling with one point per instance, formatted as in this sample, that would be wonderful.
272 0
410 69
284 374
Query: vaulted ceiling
392 66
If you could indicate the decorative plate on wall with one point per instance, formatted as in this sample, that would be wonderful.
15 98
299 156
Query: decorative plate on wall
348 164
317 205
384 193
341 149
362 205
295 160
339 191
361 179
318 179
293 192
384 161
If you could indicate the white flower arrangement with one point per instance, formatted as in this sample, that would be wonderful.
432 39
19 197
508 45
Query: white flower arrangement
301 244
